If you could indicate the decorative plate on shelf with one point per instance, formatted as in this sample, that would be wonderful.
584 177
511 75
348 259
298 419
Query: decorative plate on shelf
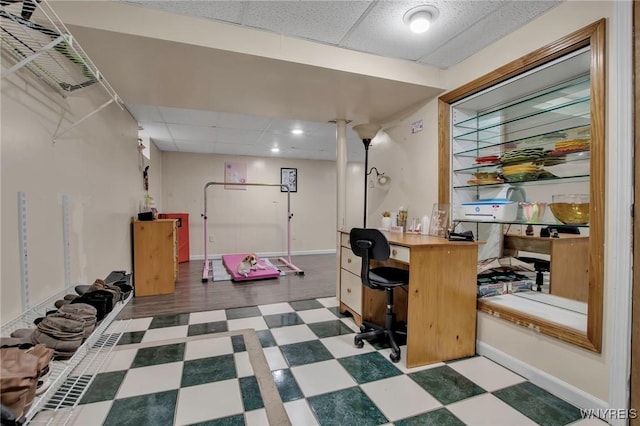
487 160
522 177
522 155
488 181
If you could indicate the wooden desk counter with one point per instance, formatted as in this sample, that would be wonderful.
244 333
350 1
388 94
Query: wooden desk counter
439 304
569 254
419 240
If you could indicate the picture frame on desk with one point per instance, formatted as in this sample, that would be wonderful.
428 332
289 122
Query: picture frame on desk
439 220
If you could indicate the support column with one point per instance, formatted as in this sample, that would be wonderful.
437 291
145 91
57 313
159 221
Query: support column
341 189
341 172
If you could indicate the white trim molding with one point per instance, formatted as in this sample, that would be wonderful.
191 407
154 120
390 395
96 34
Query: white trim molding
618 276
550 383
269 254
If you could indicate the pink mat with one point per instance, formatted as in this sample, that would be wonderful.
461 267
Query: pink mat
231 262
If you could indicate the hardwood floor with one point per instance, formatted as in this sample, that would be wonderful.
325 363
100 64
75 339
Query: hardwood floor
192 295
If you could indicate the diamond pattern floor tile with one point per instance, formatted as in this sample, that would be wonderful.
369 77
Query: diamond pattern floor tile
299 361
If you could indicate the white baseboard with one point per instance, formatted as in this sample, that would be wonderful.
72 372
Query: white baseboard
538 377
269 254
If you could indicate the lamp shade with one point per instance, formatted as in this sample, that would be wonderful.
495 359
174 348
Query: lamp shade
367 131
383 179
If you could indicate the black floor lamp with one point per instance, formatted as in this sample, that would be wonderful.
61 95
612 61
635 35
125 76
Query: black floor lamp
366 132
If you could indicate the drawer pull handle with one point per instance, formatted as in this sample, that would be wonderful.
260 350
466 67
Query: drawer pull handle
394 252
349 260
348 290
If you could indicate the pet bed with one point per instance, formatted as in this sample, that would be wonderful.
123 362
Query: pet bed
231 262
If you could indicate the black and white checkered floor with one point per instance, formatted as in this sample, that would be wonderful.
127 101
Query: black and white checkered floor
295 363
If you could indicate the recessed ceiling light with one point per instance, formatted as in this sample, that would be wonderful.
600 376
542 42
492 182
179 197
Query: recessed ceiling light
419 18
275 149
297 131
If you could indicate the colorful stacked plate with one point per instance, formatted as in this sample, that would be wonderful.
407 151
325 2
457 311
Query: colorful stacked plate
552 159
486 181
522 155
520 172
487 160
571 145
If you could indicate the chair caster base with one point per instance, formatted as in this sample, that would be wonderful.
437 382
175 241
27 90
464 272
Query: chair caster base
394 357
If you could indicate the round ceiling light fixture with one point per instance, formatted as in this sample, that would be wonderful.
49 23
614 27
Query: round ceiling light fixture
420 18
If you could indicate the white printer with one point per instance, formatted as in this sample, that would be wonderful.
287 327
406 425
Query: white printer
490 210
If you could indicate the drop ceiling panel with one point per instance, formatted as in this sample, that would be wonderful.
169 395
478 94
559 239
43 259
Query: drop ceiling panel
286 126
199 148
193 133
474 36
189 116
325 21
155 129
237 149
164 145
243 121
228 11
231 103
238 136
147 113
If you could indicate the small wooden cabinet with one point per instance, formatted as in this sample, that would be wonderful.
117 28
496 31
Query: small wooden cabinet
155 257
569 254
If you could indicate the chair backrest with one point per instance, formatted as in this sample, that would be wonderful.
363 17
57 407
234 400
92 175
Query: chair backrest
379 249
369 244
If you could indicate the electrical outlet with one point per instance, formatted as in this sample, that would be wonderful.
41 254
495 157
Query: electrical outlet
210 238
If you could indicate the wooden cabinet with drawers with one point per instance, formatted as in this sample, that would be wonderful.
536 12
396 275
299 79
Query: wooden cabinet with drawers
155 257
438 304
350 283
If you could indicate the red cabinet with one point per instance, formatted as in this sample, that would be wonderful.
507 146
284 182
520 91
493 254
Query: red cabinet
183 233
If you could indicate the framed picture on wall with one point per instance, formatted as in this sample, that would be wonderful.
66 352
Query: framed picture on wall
289 177
235 174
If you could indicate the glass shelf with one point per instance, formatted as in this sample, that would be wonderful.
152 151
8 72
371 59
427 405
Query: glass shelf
575 128
519 222
570 158
557 97
539 181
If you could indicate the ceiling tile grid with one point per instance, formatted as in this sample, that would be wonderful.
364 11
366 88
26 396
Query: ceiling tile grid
462 28
325 21
473 37
226 11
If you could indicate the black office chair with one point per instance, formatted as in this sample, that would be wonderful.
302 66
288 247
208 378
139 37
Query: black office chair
371 244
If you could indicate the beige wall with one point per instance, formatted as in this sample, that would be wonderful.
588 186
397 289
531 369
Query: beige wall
254 219
411 160
95 165
562 361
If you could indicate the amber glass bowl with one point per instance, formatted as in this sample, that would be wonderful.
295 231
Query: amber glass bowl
571 209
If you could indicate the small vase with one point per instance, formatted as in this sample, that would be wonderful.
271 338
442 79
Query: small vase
386 223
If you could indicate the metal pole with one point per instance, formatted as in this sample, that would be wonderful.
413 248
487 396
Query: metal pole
287 262
205 269
366 142
23 247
